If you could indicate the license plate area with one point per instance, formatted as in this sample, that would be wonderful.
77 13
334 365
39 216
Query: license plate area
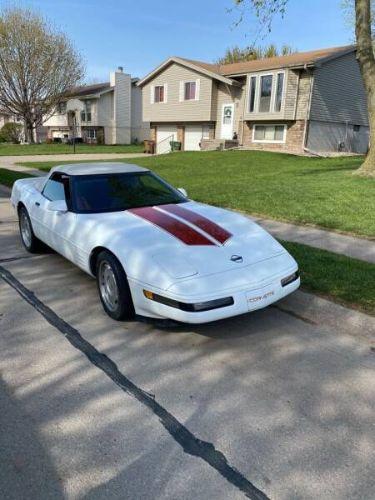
260 298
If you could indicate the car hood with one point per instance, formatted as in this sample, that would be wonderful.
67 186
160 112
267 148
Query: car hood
162 244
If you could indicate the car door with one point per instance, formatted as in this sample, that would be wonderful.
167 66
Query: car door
58 226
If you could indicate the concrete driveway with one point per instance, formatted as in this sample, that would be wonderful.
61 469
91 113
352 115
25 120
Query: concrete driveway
267 405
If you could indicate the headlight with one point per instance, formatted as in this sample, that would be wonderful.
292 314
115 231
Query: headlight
190 307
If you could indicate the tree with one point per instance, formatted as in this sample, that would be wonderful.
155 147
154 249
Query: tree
236 54
265 10
38 65
11 132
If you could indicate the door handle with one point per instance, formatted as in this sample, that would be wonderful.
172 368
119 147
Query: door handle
37 203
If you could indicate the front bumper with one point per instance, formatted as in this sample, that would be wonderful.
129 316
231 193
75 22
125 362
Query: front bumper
244 300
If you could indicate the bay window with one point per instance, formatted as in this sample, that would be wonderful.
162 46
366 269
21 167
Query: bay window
266 92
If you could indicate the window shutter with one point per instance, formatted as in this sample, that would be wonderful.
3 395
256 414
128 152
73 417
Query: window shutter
197 89
166 92
152 94
182 90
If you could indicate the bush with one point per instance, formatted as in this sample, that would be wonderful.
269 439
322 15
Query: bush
11 132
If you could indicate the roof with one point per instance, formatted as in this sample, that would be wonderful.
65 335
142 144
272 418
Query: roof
292 60
98 168
95 88
89 89
225 71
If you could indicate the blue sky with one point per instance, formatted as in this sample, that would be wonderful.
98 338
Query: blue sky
140 34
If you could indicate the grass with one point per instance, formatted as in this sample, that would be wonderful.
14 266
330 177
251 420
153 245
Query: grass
345 280
8 177
350 282
56 149
302 190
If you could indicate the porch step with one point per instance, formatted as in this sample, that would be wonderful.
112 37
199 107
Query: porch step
218 144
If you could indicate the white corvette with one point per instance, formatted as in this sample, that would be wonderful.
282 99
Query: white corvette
153 251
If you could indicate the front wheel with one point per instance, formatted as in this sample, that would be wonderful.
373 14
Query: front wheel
29 240
113 287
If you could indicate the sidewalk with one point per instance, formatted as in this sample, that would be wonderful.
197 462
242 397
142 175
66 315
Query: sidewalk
351 246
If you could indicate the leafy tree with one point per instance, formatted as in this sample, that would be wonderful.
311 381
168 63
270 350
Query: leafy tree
11 132
265 10
236 54
38 64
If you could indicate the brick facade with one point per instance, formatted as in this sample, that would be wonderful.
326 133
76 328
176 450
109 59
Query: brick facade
294 137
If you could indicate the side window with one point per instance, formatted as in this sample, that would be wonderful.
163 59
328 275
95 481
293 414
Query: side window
57 187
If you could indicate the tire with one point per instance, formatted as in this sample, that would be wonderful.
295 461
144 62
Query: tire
113 287
28 238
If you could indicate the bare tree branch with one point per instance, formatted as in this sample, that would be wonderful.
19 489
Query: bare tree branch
38 65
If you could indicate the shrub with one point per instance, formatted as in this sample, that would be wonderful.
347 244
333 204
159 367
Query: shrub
11 132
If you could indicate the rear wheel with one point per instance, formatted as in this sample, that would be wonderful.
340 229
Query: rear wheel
113 287
29 240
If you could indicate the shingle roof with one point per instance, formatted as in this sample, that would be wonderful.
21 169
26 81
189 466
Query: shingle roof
292 60
89 89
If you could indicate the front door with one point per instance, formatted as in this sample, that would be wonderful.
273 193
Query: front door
227 121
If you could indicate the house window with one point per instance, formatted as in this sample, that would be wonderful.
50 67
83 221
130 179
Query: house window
91 133
265 93
253 86
86 113
269 133
279 91
356 128
159 93
61 108
190 91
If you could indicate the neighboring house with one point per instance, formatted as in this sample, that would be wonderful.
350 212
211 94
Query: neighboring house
308 100
6 117
107 113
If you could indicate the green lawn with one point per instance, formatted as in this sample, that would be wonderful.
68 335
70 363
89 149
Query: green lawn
297 189
345 280
56 149
8 177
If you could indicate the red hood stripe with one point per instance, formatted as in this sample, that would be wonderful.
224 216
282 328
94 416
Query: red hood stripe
176 228
219 233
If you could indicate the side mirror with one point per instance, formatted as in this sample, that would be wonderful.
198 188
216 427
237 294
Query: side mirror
57 206
183 192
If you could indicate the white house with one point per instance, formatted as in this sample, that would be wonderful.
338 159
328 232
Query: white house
106 113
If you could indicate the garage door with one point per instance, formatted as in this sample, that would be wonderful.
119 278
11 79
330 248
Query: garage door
165 134
193 137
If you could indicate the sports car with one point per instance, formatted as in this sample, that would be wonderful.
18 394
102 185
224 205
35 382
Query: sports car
153 251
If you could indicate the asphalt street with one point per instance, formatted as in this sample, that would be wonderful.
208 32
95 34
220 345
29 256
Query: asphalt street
266 405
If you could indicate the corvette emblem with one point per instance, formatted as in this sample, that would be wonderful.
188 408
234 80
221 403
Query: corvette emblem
236 258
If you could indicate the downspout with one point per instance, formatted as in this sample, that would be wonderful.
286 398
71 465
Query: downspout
244 97
304 143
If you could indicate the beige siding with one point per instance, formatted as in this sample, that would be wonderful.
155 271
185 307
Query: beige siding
173 110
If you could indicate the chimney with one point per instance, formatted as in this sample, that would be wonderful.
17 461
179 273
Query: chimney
120 69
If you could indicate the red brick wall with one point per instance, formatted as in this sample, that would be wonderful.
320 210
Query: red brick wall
294 137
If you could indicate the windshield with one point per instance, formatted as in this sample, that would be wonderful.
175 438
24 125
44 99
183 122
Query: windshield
115 192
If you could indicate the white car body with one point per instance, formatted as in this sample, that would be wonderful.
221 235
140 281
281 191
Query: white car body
248 266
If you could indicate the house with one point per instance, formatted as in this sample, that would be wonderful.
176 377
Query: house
106 113
304 101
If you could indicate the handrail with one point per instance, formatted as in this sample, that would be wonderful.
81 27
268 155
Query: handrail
169 138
